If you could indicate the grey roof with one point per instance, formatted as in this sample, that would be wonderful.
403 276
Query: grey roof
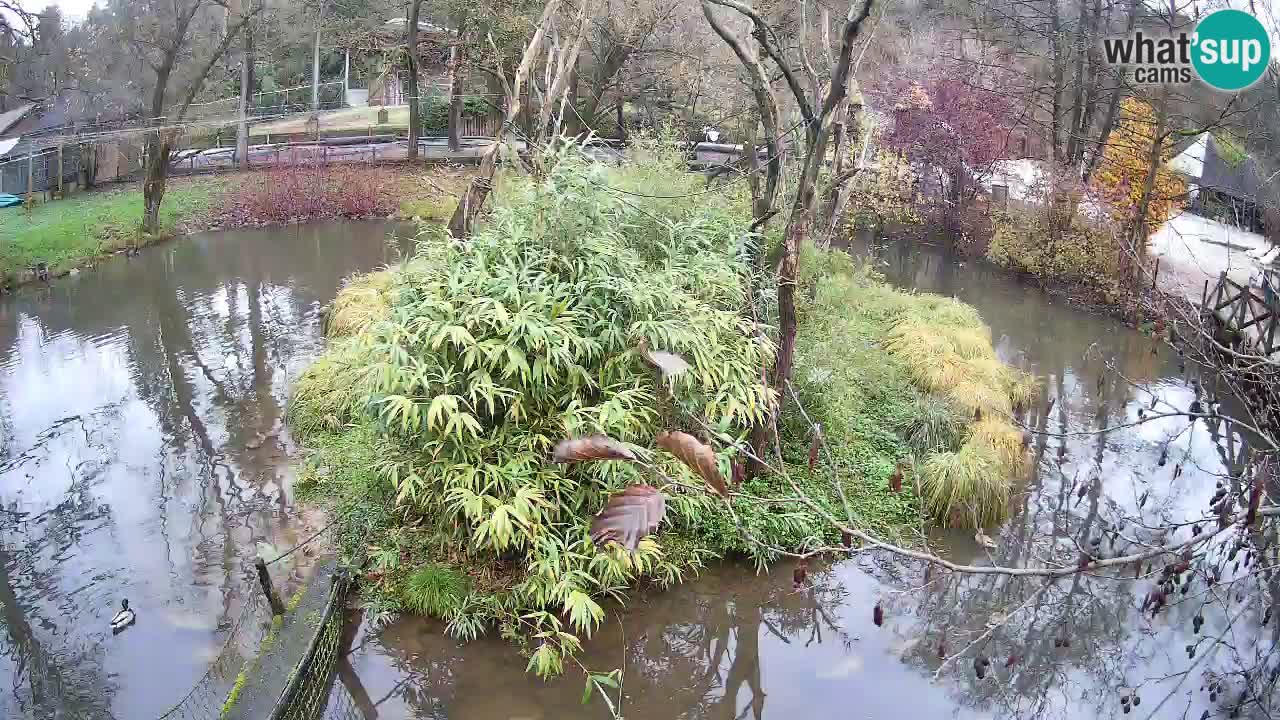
8 119
1241 180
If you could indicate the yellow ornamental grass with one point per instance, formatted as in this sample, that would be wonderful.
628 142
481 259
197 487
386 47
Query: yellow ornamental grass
363 301
328 393
947 351
1004 443
956 361
1023 388
965 488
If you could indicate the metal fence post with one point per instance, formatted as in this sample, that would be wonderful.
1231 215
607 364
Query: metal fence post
264 579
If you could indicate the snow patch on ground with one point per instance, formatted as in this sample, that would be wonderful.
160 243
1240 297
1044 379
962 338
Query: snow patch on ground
1194 249
1020 176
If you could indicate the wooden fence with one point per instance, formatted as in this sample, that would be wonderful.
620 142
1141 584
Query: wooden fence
1252 314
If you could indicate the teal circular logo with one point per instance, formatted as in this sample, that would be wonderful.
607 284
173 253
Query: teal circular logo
1232 50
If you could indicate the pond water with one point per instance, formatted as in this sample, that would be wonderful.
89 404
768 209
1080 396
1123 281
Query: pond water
731 644
130 396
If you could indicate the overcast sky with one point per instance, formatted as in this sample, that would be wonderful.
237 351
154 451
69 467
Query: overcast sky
71 9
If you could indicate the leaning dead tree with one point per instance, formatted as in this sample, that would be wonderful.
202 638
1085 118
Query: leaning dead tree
552 56
822 99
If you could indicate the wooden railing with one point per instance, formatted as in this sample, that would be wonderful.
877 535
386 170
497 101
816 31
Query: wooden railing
1253 313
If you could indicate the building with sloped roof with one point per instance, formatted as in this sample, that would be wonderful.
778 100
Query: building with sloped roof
1223 181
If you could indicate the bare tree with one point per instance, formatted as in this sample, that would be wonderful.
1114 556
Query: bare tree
173 40
411 62
548 49
817 105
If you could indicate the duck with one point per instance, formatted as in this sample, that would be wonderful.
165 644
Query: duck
124 618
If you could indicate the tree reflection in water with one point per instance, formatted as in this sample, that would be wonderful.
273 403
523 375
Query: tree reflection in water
130 400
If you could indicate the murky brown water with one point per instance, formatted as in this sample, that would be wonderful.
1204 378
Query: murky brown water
731 644
128 396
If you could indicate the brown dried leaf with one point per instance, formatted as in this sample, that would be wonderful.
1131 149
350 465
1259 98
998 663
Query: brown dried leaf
700 458
592 447
815 445
1255 501
669 363
629 516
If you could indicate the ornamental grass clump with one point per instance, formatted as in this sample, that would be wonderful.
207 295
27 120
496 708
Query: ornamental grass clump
947 351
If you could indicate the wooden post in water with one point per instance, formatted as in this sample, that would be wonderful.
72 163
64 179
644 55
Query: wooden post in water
1155 274
264 579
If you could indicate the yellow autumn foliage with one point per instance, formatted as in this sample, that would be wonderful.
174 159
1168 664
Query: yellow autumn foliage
1121 175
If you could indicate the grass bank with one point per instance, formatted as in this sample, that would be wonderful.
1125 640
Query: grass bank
450 379
73 232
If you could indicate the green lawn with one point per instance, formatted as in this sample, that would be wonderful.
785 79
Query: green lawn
67 233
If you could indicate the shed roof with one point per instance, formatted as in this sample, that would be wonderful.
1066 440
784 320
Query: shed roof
11 118
1239 179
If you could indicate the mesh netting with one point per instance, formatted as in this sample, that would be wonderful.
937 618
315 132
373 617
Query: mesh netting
205 699
315 673
343 705
275 666
283 650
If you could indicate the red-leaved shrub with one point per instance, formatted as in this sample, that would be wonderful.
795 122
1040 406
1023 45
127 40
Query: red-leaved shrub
311 192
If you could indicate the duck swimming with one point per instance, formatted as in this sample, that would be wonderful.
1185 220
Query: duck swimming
124 618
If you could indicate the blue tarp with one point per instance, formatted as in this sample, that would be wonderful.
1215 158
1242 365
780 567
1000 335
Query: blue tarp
9 201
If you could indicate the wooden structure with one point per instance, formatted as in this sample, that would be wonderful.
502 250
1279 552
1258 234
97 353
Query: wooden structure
1246 314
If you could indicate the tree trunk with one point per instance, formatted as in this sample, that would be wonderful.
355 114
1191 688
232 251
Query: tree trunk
622 127
765 104
159 145
750 146
1113 107
792 240
411 84
601 78
1091 91
456 57
1077 101
571 124
315 67
1139 230
462 223
1059 69
246 96
831 198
